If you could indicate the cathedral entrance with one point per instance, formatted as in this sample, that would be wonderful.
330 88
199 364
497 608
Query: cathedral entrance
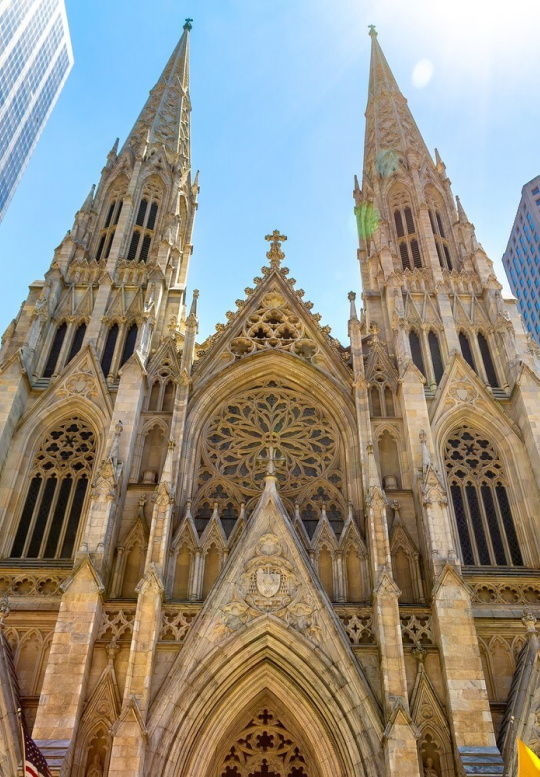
265 747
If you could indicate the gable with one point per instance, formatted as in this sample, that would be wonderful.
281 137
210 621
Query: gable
272 318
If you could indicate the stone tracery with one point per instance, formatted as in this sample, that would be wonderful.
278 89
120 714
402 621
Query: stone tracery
265 748
310 459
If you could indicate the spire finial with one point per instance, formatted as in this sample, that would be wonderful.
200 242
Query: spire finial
275 254
372 31
188 25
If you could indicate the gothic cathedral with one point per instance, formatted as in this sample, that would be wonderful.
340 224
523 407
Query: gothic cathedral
270 553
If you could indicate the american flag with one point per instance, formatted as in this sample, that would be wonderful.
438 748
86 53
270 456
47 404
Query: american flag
35 764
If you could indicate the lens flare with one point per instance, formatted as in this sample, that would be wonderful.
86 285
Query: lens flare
367 220
422 73
387 162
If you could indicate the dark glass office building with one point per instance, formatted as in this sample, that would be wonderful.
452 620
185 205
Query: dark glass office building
521 259
35 59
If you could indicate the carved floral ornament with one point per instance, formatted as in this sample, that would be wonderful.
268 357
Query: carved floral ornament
274 325
237 439
268 585
265 748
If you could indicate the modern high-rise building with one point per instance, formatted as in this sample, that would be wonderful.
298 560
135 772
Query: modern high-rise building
269 554
35 60
521 259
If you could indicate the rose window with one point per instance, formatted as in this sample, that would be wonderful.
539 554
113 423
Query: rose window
305 443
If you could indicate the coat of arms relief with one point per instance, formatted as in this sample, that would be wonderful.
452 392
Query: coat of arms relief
268 585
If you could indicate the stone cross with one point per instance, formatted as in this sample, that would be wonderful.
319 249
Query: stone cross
275 254
271 460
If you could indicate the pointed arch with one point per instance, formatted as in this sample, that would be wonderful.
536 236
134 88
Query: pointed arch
300 381
58 475
111 205
478 487
259 663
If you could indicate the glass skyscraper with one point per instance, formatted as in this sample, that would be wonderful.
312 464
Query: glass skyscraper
35 59
521 259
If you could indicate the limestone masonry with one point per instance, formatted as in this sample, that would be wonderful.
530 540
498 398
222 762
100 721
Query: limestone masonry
270 553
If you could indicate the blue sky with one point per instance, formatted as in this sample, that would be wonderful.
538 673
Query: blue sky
279 89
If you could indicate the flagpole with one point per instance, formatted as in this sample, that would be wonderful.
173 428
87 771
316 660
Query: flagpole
23 748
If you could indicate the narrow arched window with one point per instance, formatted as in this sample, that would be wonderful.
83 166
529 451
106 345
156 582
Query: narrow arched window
153 402
389 401
58 482
436 358
108 230
54 353
408 245
478 488
466 350
76 343
129 345
168 397
488 361
376 400
416 351
108 351
441 243
143 230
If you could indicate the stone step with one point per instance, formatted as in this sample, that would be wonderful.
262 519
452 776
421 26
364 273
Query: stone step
481 761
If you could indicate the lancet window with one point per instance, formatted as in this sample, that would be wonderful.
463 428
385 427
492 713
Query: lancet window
162 392
441 241
416 351
427 355
65 336
236 448
145 222
108 230
407 235
55 497
483 357
119 346
482 510
76 342
382 397
54 353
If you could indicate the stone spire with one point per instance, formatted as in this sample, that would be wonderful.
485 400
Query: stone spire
391 131
164 120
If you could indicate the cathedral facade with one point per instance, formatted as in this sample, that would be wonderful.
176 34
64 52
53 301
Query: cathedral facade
270 553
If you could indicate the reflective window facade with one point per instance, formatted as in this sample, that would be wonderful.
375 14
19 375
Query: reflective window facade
521 259
35 59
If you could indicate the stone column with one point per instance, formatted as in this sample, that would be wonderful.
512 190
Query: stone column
466 693
64 686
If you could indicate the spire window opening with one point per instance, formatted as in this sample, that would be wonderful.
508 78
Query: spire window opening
76 343
416 351
487 359
478 488
466 350
58 483
129 344
407 237
109 228
441 243
54 353
436 357
108 351
145 222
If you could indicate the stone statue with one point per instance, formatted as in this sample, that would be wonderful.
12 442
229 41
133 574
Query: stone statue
429 770
95 769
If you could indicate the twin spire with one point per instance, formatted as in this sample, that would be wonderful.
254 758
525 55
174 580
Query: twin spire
164 122
391 131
